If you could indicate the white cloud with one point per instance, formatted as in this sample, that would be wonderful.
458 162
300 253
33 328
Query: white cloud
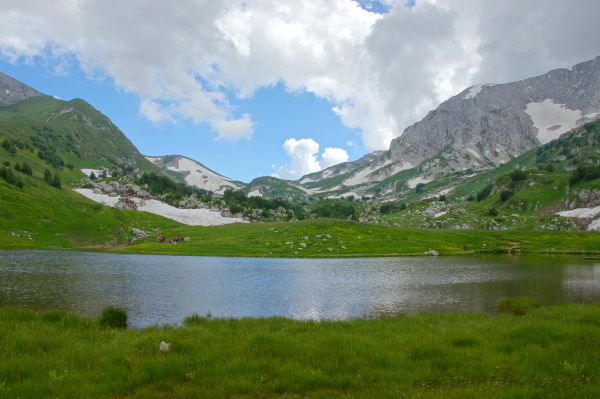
333 156
380 72
303 154
155 112
234 129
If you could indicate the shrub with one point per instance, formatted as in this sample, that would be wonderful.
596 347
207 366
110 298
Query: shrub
517 306
442 198
518 175
506 194
585 173
236 208
483 194
419 187
56 181
26 169
493 212
113 318
47 176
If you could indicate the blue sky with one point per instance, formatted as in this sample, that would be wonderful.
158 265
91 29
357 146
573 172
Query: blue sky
278 115
282 87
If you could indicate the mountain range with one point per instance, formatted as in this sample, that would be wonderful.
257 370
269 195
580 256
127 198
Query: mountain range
479 129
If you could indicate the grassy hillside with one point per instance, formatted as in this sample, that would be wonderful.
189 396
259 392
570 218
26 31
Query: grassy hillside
41 216
56 138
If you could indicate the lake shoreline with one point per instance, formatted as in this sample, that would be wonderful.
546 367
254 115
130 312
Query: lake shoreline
126 250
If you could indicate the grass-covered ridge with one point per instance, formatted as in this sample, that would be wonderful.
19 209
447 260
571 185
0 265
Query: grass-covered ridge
549 352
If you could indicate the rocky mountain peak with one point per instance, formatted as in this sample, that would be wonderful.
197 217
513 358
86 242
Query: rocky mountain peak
12 91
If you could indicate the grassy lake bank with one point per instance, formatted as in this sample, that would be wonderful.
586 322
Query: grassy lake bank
549 352
322 238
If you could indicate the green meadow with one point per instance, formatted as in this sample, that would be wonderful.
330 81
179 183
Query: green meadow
341 238
548 352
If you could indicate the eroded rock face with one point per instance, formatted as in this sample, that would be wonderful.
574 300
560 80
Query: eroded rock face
12 91
486 125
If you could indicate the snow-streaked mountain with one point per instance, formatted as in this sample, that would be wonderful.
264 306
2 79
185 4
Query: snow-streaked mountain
195 174
486 125
340 169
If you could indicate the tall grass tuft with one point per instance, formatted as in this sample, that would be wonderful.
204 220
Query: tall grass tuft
113 318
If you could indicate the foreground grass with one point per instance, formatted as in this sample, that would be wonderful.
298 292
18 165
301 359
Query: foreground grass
550 352
339 238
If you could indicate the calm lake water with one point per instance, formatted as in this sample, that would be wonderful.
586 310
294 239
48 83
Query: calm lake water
166 289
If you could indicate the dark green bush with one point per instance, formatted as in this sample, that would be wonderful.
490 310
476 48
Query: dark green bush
56 181
483 194
113 318
517 306
506 194
26 169
518 175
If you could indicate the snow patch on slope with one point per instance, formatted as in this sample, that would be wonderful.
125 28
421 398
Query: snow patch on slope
584 213
255 193
362 176
412 183
551 119
197 174
475 90
192 217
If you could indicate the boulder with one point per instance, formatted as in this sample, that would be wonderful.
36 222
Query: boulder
164 346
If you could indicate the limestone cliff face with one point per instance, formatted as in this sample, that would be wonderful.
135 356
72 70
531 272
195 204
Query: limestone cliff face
486 125
12 91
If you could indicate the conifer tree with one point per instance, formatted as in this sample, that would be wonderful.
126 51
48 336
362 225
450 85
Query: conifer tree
56 181
26 169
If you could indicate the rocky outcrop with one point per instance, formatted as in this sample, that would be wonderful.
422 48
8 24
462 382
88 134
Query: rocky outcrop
12 91
486 125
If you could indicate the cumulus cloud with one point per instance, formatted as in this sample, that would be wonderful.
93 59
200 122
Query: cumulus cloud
303 155
333 156
380 72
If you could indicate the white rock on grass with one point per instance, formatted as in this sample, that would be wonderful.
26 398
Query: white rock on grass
164 346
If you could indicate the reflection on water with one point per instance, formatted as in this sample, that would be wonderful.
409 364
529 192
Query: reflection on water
166 289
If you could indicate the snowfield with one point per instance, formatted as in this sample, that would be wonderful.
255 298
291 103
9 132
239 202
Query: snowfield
197 175
584 213
552 119
475 90
192 217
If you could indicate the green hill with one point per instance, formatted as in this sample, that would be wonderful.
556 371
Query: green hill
42 136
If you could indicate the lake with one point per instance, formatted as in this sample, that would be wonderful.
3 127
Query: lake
166 289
